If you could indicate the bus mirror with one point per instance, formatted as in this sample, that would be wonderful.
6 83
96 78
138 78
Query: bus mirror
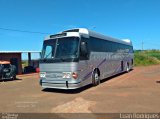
84 50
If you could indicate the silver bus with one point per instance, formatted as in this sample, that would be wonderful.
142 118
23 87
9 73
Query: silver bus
78 57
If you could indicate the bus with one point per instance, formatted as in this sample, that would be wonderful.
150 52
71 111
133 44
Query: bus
78 57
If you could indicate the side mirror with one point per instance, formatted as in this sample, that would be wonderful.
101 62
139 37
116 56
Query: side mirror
84 49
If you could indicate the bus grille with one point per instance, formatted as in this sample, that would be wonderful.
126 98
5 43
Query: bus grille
54 75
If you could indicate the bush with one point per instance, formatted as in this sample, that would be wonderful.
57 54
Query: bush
145 58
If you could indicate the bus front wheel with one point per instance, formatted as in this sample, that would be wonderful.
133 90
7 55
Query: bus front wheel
95 78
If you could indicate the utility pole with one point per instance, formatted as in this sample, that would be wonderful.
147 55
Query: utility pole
142 45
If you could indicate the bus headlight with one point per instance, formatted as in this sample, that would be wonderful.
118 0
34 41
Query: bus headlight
42 75
66 75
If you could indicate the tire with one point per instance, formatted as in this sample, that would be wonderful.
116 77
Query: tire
1 69
95 78
13 72
1 72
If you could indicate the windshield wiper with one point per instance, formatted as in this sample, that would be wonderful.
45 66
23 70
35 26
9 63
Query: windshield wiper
47 55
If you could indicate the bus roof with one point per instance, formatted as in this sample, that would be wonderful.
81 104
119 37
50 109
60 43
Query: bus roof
88 33
98 35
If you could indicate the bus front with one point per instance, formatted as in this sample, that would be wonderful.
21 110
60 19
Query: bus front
58 63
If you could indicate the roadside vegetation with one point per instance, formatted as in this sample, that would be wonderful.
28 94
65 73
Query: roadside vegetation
24 63
146 57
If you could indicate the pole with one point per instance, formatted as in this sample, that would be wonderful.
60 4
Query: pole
142 45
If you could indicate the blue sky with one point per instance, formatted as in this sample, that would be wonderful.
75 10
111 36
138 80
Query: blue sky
138 20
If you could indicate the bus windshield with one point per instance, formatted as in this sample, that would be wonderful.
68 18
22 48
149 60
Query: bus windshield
60 48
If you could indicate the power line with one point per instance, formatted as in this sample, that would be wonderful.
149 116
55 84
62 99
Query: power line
16 30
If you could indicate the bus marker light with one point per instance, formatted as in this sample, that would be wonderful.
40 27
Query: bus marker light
74 75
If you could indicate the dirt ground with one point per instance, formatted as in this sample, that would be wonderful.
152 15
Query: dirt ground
137 91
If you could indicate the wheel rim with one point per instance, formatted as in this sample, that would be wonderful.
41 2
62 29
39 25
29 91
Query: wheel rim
96 77
127 68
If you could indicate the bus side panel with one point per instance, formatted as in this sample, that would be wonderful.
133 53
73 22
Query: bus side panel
109 64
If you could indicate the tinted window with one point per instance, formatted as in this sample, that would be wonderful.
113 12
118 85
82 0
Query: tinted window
48 52
100 45
60 48
48 48
67 47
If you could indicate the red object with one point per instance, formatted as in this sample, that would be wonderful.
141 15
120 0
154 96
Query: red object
75 75
37 70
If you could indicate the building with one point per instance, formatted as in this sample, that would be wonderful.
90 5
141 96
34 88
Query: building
15 57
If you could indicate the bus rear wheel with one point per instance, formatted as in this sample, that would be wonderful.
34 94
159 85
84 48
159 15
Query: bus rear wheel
95 78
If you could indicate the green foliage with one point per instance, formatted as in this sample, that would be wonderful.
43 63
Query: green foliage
24 63
153 53
148 57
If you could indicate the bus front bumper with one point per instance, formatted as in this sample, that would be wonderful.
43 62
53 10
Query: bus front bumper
60 85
